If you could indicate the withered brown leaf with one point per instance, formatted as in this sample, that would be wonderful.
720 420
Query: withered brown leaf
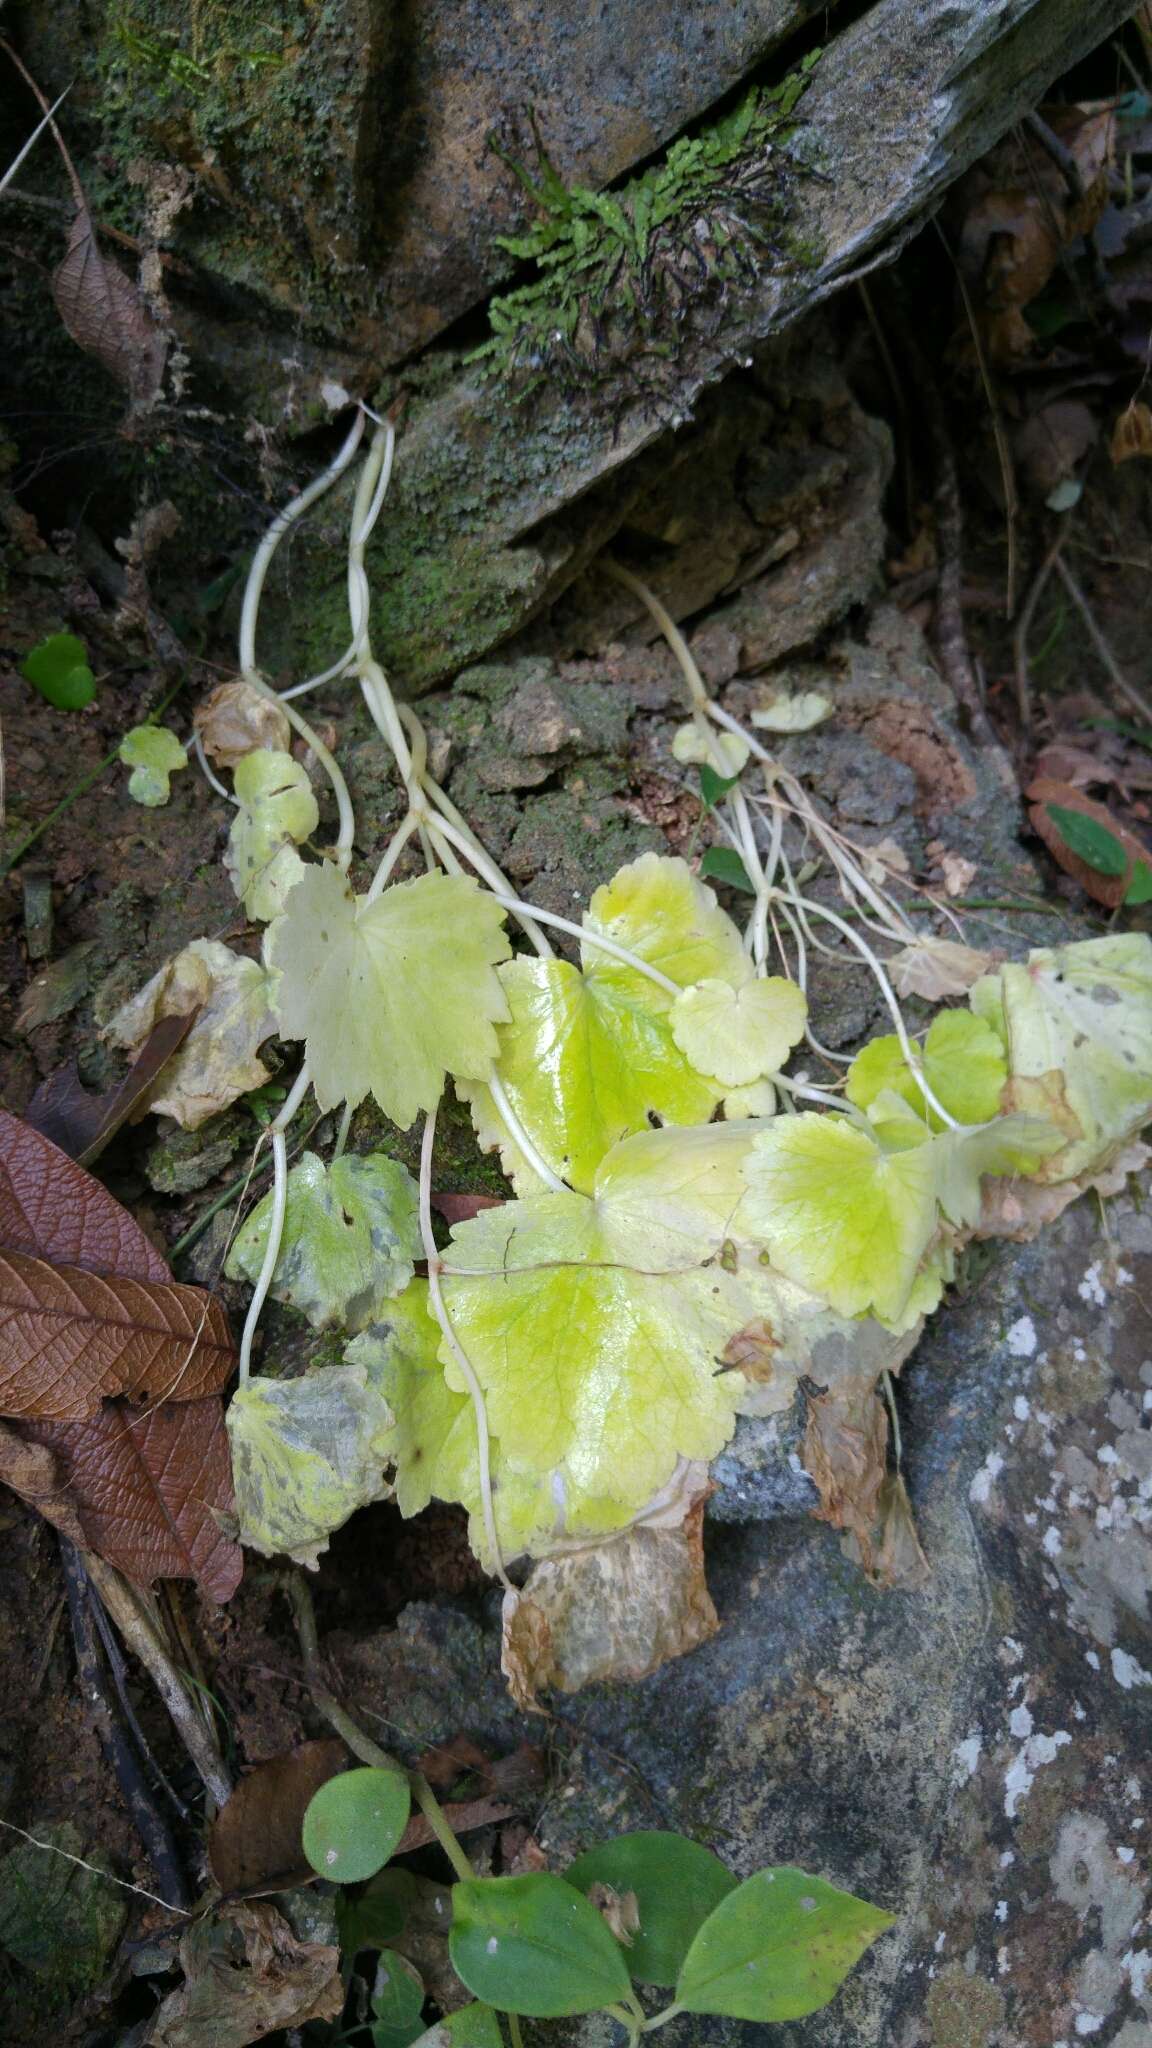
105 314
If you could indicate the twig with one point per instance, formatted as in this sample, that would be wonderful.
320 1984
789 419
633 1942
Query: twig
1024 628
54 1849
143 1639
149 1823
119 1671
1003 451
1123 688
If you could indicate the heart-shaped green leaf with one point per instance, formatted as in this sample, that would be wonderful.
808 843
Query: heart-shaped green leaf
354 1822
397 2002
777 1947
378 1915
677 1884
534 1945
59 669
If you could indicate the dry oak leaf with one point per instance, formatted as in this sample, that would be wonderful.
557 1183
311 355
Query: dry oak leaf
845 1453
234 719
255 1842
246 1975
72 1339
149 1493
106 316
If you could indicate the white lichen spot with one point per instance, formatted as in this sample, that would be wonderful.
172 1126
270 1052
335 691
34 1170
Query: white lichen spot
1125 1855
1021 1773
1091 1289
967 1756
1001 1909
1127 1672
985 1478
1138 1963
1053 1542
1011 1650
1020 1722
1008 1857
938 1944
1021 1408
1021 1338
1092 1660
1089 2022
1108 1455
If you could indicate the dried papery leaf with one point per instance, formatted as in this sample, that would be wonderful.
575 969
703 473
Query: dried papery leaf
619 1910
935 968
82 1123
246 1975
618 1611
254 1844
1020 1209
72 1338
234 719
32 1471
1132 434
1108 888
896 1560
151 1495
217 1062
845 1454
106 316
51 1209
525 1650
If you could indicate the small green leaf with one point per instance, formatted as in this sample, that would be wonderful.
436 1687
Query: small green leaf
397 2002
59 669
306 1453
471 2026
1089 840
378 1915
723 864
354 1822
276 813
153 754
714 786
534 1945
1139 889
677 1885
777 1947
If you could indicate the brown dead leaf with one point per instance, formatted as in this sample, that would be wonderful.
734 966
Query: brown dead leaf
620 1911
234 719
1110 890
845 1454
105 314
150 1493
72 1339
896 1558
254 1844
935 968
246 1975
615 1611
81 1123
1051 445
1132 434
1021 1209
1063 762
753 1351
232 998
461 1208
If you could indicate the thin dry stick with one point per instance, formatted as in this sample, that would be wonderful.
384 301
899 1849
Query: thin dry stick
143 1639
1024 628
53 1849
1003 451
1123 688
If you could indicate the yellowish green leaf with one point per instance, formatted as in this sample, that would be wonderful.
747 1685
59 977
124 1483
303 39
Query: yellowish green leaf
351 1233
153 753
306 1453
739 1034
277 812
963 1062
390 996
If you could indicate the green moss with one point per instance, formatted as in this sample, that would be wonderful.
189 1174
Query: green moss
616 270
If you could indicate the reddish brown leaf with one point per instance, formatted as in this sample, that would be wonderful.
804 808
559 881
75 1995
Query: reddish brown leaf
1109 890
254 1844
51 1209
106 316
461 1208
82 1123
150 1494
72 1339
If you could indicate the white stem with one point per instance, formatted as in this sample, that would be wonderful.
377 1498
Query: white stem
444 831
283 521
37 132
209 773
467 1370
392 852
342 1134
594 939
275 1133
521 1139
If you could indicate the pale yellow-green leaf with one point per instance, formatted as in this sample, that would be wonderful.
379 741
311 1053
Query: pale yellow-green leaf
758 1099
963 1062
587 1058
217 1061
793 711
1077 1022
726 752
394 995
841 1217
1014 1144
277 812
306 1453
351 1233
739 1034
153 753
